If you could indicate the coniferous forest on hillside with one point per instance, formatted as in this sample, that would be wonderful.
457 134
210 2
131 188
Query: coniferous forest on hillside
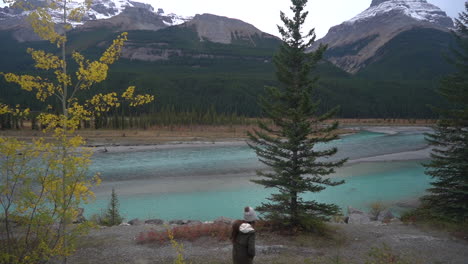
211 79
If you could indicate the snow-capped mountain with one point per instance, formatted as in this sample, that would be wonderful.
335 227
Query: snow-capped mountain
121 14
99 9
355 43
418 9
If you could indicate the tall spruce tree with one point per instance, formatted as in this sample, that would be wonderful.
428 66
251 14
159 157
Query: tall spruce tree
448 195
287 144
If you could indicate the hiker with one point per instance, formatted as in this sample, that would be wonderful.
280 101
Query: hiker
243 238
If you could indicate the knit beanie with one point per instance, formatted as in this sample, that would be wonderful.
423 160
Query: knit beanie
249 214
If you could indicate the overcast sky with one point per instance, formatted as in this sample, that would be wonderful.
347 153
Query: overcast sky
264 14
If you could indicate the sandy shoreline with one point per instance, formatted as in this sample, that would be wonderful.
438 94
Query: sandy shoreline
421 154
202 135
116 148
125 146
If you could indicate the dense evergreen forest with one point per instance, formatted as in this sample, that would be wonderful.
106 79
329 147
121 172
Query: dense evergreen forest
224 81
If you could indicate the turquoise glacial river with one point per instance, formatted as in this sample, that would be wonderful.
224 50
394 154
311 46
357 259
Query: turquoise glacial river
205 181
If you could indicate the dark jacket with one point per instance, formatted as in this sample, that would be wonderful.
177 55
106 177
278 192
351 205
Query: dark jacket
243 251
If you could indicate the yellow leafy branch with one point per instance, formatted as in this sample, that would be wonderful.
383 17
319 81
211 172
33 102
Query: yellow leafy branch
17 111
62 78
91 72
136 100
44 26
45 61
96 106
4 109
30 83
113 52
77 14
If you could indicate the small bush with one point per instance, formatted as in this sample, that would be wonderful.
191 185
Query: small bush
179 248
423 217
219 231
338 218
96 219
385 255
377 255
309 225
376 209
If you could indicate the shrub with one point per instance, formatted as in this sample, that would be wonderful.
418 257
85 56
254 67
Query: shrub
309 225
179 248
424 217
376 208
385 255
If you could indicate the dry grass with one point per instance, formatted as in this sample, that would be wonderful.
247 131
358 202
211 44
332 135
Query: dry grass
155 135
219 231
386 122
164 134
376 208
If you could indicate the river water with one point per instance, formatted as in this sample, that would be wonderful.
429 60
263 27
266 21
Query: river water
205 181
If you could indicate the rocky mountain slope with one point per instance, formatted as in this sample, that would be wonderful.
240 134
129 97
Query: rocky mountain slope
355 43
224 30
192 39
127 15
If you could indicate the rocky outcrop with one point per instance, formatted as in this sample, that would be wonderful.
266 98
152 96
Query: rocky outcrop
149 52
385 215
154 222
185 222
224 30
135 222
162 52
223 220
356 216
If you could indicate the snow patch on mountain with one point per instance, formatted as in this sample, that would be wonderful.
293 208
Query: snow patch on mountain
417 9
99 10
178 20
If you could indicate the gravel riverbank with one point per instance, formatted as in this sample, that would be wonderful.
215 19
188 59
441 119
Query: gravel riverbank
350 243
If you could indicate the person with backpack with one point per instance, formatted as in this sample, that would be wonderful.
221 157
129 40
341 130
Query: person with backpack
243 238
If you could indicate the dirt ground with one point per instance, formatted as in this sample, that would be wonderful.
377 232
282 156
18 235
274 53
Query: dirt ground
350 244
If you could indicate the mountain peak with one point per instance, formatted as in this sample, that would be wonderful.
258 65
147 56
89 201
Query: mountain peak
419 10
378 2
356 42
